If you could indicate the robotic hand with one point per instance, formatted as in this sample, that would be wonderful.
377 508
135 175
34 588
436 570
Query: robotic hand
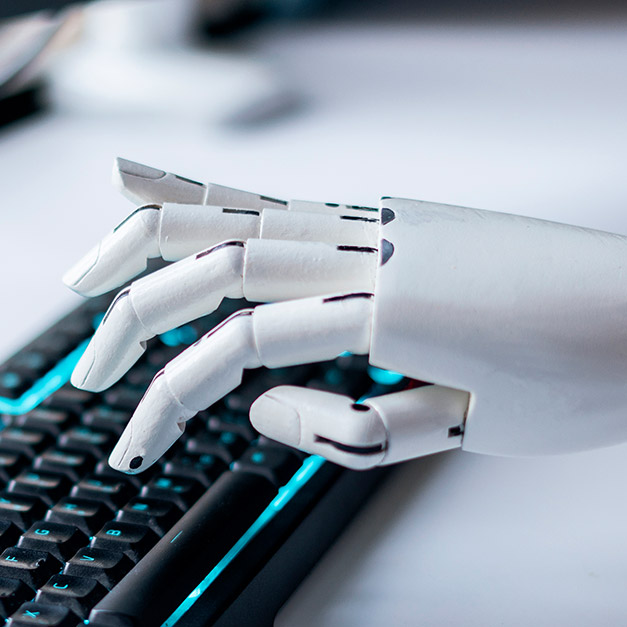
520 324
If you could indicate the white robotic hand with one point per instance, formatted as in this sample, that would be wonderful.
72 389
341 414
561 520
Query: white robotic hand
520 324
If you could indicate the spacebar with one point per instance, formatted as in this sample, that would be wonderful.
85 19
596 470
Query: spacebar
187 553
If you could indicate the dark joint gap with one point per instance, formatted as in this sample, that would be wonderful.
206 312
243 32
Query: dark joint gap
333 299
331 204
360 407
248 212
142 208
456 431
182 178
204 253
355 450
119 297
359 218
357 249
278 201
237 314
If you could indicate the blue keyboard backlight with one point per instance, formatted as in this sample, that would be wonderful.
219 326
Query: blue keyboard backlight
310 466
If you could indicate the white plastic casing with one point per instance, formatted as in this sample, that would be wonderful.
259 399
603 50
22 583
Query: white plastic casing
528 316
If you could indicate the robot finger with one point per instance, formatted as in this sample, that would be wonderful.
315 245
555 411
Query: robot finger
259 270
276 335
143 184
174 231
381 430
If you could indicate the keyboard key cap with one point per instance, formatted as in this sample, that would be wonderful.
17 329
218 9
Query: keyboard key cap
52 421
276 463
124 397
106 419
9 534
13 593
31 567
72 464
71 399
234 422
202 468
157 514
49 487
228 446
11 462
20 509
86 439
34 361
133 540
190 549
85 514
112 492
42 615
180 490
13 383
104 565
76 593
58 539
104 470
27 441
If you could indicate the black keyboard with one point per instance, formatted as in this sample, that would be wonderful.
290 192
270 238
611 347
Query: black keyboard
220 531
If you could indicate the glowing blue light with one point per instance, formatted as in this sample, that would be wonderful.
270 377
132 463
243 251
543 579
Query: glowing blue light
44 387
384 377
182 335
310 466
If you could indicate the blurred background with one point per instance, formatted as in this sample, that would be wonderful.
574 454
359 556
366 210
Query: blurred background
511 106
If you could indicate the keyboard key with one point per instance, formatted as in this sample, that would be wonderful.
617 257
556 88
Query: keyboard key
31 567
85 514
104 470
72 464
276 463
124 397
35 361
42 615
88 440
202 468
13 593
76 593
13 383
133 540
112 492
189 550
106 419
58 539
180 490
9 534
52 421
104 565
157 514
49 487
20 509
234 422
228 446
11 462
27 441
71 399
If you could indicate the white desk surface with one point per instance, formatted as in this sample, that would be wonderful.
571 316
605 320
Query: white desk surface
526 120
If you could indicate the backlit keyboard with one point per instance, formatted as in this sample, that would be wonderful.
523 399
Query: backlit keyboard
220 531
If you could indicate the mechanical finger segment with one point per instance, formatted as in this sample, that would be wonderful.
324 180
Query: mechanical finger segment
322 423
120 255
281 334
143 184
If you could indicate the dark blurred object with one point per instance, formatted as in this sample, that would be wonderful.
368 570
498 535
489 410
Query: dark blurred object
10 8
25 45
21 105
